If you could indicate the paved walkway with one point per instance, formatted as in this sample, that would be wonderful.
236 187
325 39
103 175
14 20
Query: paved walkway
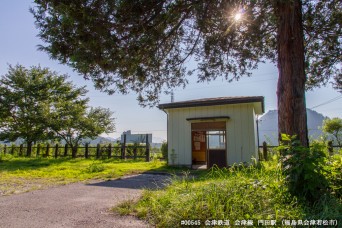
76 205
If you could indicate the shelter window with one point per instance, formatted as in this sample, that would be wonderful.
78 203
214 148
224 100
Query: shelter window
216 139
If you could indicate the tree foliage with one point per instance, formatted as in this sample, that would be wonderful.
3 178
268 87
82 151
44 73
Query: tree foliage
38 104
27 96
334 126
144 45
73 122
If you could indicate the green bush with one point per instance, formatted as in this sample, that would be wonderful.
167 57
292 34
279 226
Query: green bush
305 169
5 157
164 150
335 175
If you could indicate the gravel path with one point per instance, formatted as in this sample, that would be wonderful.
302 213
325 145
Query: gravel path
76 205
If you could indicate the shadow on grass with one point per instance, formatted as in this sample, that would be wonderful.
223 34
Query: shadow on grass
26 164
11 164
29 163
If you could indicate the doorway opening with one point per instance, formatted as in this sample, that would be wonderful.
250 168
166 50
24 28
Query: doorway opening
208 144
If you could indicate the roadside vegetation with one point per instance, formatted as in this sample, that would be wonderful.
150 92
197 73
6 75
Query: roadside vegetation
26 174
264 191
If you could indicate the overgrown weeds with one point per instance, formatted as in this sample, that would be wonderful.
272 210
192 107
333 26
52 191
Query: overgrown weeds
305 169
257 192
95 167
236 193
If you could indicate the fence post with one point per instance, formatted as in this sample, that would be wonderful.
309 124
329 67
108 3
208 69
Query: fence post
135 152
98 150
147 149
264 150
56 150
21 150
47 152
330 148
123 148
38 150
86 153
65 150
109 150
12 149
5 149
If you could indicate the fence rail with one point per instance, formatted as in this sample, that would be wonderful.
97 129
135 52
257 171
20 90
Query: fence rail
266 150
122 151
98 151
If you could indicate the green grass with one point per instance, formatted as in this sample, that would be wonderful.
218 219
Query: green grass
26 174
249 193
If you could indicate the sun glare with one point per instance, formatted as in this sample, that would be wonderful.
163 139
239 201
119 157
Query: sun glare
237 16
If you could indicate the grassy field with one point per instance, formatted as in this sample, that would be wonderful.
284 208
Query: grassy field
25 174
239 193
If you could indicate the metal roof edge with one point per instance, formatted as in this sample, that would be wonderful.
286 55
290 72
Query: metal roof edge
213 101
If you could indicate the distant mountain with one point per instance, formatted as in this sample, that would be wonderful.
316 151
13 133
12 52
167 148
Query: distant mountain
99 140
268 126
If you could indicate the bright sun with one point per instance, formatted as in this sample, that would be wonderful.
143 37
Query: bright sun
237 16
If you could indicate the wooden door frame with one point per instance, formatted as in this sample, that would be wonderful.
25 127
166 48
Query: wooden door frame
225 147
220 126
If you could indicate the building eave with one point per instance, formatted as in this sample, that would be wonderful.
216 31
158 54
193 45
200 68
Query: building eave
214 101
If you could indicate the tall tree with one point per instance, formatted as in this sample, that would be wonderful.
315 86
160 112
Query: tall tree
291 83
26 98
72 122
37 104
143 45
334 127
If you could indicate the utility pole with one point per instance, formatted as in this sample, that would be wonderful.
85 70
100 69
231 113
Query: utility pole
172 97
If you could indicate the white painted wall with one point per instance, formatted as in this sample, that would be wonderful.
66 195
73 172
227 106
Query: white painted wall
241 131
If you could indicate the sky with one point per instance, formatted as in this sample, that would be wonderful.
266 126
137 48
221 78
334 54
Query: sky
18 45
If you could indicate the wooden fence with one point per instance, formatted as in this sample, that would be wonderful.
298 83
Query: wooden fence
267 150
123 151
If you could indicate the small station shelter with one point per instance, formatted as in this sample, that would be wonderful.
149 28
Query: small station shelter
213 131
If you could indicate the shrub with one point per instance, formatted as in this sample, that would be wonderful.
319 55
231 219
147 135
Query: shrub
5 157
335 175
304 169
164 150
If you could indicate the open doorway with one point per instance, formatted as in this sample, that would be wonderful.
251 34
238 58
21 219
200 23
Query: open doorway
208 144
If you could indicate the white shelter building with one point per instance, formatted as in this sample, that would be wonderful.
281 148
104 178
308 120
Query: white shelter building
213 131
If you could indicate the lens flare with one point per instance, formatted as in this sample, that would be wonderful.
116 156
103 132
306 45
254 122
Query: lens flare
238 16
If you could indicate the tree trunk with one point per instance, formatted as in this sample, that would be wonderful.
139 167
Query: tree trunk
291 82
74 150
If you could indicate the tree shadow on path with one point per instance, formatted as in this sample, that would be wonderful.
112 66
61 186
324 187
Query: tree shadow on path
139 181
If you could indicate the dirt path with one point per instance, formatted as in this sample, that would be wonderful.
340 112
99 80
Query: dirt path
76 205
